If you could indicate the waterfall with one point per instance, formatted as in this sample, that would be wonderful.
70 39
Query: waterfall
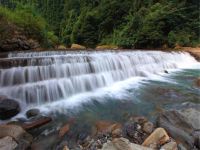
42 77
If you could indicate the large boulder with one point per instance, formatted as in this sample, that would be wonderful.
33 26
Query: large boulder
23 138
8 143
8 108
182 125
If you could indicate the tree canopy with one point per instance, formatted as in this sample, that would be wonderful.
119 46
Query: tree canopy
126 23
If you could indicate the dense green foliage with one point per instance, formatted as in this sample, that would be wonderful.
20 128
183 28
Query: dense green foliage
126 23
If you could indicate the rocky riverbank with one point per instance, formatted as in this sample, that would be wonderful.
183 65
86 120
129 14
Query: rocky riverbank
172 130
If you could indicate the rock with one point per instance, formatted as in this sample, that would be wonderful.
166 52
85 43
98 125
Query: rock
65 148
103 47
181 147
36 122
23 138
116 133
181 125
32 113
148 127
63 130
170 146
77 46
139 119
196 136
133 131
8 108
198 82
106 126
158 137
122 144
62 47
8 143
192 117
166 71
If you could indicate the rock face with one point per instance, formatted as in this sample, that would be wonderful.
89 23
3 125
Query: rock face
19 42
18 134
8 143
122 144
158 137
8 108
182 125
77 46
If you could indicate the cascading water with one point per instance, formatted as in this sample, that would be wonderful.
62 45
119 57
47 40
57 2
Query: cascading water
41 77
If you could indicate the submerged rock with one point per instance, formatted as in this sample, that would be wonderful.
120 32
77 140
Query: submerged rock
8 108
106 126
63 130
8 143
32 113
36 122
157 138
122 144
198 82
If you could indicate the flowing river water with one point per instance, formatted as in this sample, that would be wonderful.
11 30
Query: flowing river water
99 85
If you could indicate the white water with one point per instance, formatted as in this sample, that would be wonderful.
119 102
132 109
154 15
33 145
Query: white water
60 75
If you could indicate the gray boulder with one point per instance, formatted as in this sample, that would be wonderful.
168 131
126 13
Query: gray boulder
8 108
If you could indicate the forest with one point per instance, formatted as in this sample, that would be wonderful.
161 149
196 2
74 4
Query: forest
125 23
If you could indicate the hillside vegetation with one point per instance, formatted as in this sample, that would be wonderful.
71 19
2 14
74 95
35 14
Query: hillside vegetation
125 23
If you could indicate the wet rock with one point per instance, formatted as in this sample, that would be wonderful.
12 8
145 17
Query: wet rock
122 144
157 138
133 131
36 122
166 71
8 108
148 127
181 125
77 46
32 113
8 143
198 82
18 134
106 126
63 130
170 146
